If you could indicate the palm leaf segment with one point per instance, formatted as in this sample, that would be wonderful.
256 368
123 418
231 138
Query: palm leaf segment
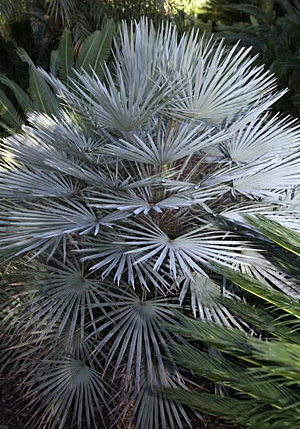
135 176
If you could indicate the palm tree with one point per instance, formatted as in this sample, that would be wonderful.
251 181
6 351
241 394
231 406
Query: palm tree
119 202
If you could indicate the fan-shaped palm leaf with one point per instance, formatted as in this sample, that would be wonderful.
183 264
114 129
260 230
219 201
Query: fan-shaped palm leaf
65 56
66 297
133 328
170 146
185 251
204 297
62 9
17 183
67 385
47 226
262 137
153 410
112 106
144 199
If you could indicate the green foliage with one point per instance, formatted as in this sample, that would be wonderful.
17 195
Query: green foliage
227 12
94 51
266 370
37 25
22 96
65 56
50 17
8 114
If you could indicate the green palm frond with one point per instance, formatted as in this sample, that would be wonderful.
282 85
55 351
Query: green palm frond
232 409
269 372
9 8
95 50
260 289
276 232
65 56
53 62
43 98
259 319
39 96
232 375
22 97
9 114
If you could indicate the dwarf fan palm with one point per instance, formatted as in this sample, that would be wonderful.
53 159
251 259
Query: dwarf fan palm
134 184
